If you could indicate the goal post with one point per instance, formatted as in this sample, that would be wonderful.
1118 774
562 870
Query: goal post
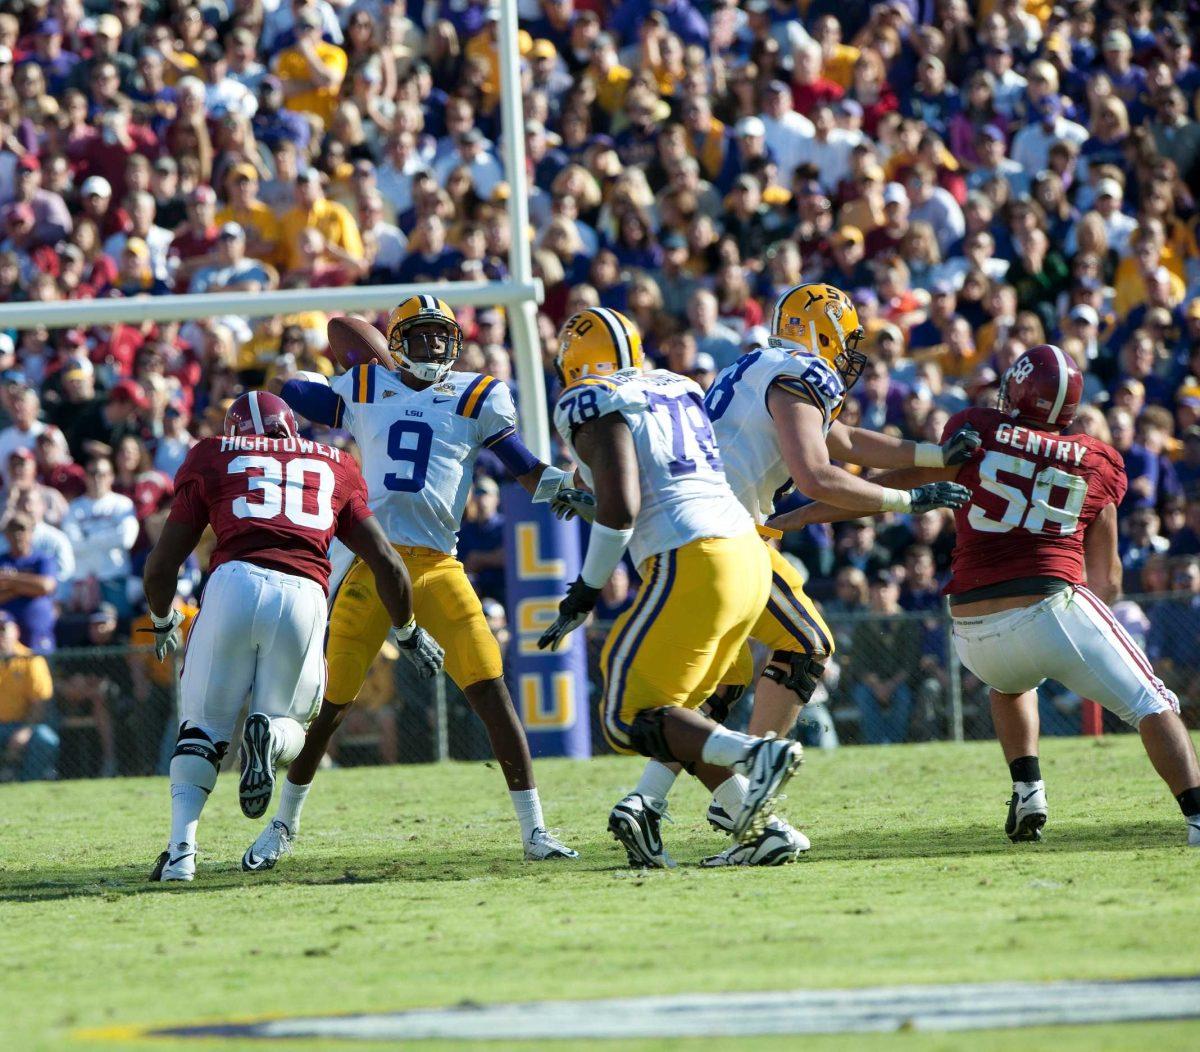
542 554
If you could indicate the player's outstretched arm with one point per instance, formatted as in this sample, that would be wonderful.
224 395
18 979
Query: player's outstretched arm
605 445
872 449
799 426
1101 560
543 482
316 402
160 578
368 541
918 482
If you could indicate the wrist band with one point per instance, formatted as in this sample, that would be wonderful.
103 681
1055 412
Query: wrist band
896 500
928 455
605 548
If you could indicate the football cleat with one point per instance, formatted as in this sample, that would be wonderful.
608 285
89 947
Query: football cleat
768 766
258 766
1026 812
178 862
541 846
776 845
272 844
1193 825
636 825
719 818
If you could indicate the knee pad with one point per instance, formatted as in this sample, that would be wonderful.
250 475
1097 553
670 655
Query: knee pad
720 705
802 674
647 736
197 757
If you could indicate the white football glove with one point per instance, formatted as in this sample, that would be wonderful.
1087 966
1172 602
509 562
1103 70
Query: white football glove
420 648
167 637
555 488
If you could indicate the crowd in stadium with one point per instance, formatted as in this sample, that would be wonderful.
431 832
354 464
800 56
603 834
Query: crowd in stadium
980 178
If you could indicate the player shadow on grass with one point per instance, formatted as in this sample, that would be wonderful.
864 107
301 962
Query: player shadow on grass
119 882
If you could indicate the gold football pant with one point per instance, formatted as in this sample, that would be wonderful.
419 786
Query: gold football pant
693 613
445 605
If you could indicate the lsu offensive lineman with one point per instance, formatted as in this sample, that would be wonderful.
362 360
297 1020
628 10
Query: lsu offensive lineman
420 428
644 446
774 412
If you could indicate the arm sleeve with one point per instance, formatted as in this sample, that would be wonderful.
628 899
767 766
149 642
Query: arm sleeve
497 415
316 402
190 503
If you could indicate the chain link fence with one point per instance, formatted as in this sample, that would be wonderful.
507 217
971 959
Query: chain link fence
107 711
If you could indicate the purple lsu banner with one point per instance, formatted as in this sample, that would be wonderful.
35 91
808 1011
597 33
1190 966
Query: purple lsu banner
550 688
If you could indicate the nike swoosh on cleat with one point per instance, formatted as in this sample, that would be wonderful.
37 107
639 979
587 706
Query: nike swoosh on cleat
1026 799
176 861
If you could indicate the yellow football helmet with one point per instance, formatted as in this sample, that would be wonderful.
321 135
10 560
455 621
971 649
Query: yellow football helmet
823 319
596 342
436 355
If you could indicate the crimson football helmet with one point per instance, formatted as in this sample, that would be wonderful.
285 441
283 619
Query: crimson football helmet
1042 387
260 413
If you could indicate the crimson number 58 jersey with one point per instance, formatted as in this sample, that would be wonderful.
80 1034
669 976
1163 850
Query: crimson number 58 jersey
274 502
1034 494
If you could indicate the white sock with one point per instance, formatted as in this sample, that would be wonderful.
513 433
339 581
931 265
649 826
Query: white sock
724 748
187 801
655 783
287 739
528 806
731 793
291 803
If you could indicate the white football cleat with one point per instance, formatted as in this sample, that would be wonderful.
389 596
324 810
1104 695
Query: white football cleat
272 844
541 846
637 825
258 766
1026 812
768 766
178 862
1193 825
776 845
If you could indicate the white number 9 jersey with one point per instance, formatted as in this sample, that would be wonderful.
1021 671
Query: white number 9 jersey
684 493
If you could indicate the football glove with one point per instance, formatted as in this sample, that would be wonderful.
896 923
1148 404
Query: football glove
167 637
960 446
423 652
939 495
571 502
572 612
554 488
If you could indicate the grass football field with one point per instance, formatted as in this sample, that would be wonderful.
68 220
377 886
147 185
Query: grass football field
406 891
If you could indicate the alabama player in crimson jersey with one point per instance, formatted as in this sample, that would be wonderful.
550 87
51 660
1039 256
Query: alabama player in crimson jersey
1035 565
275 502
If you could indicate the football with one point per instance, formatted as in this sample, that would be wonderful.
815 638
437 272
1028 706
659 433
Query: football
355 341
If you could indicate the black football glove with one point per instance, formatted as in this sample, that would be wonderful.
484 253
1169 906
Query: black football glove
421 649
939 495
572 612
960 446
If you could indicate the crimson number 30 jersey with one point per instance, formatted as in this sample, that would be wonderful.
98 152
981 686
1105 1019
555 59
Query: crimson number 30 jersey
1034 494
274 502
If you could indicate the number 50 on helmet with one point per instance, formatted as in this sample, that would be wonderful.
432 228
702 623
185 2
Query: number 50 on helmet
822 319
424 338
596 342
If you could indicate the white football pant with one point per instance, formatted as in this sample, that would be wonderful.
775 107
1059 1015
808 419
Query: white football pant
260 634
1071 637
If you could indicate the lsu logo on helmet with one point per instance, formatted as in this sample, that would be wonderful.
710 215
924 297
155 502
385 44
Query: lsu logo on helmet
433 356
822 319
596 342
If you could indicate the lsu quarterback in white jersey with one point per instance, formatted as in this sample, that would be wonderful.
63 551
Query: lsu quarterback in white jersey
774 413
419 428
643 443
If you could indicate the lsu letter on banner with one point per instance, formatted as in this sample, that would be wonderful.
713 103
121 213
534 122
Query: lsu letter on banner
550 688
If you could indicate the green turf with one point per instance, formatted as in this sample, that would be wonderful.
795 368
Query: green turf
406 891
